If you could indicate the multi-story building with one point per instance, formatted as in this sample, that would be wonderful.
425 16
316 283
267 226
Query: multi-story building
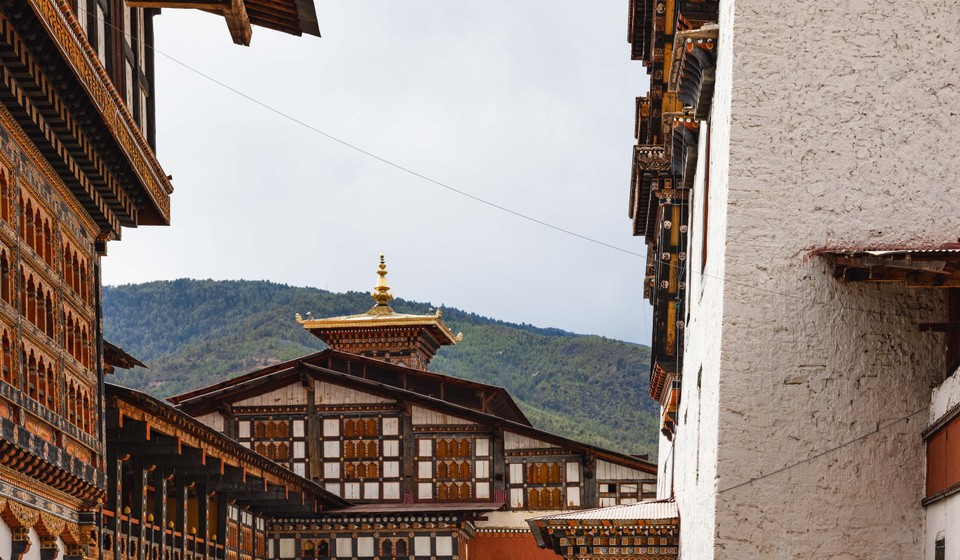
434 466
801 276
77 165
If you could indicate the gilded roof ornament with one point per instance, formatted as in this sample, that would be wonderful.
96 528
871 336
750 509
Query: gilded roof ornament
381 293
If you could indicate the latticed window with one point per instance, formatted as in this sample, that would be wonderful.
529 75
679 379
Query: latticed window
454 468
361 456
544 485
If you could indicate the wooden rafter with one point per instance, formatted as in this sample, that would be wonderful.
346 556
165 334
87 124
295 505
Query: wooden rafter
914 269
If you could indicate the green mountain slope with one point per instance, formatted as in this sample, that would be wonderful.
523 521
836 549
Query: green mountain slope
196 332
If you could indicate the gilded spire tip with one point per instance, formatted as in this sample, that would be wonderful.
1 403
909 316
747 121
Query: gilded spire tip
381 293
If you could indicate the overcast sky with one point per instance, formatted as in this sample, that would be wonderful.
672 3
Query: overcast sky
528 104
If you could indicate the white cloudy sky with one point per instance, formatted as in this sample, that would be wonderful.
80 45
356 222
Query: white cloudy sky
528 104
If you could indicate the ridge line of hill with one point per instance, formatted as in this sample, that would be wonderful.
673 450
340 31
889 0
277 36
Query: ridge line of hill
192 333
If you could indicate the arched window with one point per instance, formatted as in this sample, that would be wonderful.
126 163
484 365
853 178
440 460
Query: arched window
31 301
260 429
71 404
348 428
4 196
4 277
42 381
47 244
271 430
67 271
372 450
442 448
401 548
30 238
282 430
282 452
349 450
38 232
386 549
7 359
49 307
86 412
372 428
52 388
32 377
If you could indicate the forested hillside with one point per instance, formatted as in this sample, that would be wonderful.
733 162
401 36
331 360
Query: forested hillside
196 332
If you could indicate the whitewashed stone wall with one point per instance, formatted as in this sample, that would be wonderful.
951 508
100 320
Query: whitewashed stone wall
843 117
695 445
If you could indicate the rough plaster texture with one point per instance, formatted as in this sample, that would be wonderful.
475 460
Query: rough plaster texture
694 450
944 397
833 126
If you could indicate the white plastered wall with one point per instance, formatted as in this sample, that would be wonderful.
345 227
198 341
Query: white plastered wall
943 516
840 115
693 452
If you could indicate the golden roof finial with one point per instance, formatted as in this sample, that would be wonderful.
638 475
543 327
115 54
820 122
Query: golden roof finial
381 293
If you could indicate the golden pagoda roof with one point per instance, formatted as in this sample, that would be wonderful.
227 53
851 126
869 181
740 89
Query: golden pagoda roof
382 315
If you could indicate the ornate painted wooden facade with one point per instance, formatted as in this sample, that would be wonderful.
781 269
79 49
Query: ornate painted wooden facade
77 165
434 466
675 40
642 531
381 332
180 490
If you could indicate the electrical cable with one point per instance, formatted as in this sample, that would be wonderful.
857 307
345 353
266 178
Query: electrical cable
494 205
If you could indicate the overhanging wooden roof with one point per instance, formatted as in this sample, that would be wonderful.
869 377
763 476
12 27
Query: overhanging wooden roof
471 394
646 530
926 267
116 357
294 374
141 425
295 17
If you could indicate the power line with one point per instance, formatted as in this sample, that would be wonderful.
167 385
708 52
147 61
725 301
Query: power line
876 430
682 270
374 156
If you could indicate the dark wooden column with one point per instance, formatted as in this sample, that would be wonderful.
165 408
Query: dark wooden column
203 503
20 542
499 467
589 499
408 464
314 433
48 547
114 490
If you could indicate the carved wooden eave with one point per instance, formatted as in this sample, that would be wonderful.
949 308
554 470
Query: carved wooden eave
694 69
692 14
140 426
294 17
669 406
641 120
651 174
685 140
937 267
639 29
33 456
648 530
375 385
471 394
59 93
